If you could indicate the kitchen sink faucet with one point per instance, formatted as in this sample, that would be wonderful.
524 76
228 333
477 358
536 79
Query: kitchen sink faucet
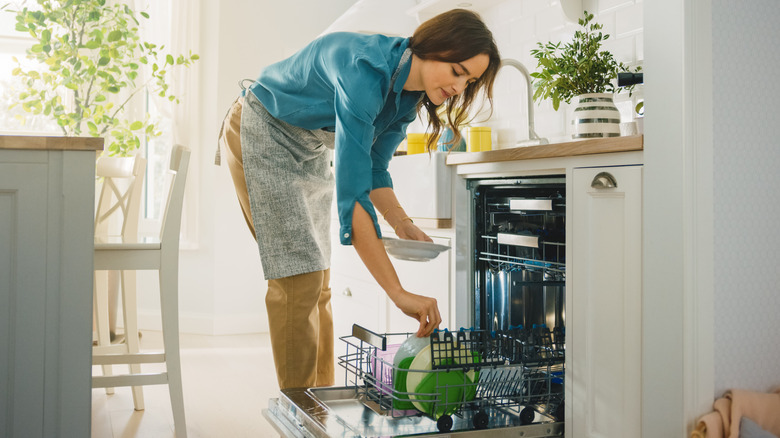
533 137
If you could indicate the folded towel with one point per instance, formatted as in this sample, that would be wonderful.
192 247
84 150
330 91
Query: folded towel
709 426
762 408
724 421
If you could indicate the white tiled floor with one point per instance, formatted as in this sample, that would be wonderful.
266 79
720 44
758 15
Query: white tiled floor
227 382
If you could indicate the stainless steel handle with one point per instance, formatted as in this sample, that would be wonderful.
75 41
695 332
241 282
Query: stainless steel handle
366 335
347 292
530 204
604 180
518 240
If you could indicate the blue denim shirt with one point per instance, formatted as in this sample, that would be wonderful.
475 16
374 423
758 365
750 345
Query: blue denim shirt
342 82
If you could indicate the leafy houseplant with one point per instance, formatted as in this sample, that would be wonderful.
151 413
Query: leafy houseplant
91 58
577 67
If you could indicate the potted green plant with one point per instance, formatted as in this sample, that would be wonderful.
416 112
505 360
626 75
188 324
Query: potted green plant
91 58
582 71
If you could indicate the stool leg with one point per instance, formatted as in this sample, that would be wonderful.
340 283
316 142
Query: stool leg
114 284
100 300
130 314
169 304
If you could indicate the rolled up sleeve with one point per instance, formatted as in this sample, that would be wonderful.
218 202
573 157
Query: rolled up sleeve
355 113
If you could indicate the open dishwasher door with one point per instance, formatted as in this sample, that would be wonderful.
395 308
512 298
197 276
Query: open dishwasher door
508 397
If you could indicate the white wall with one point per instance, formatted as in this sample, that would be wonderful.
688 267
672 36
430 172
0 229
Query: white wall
519 24
746 200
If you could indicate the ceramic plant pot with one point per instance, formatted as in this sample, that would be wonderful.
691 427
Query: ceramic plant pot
595 115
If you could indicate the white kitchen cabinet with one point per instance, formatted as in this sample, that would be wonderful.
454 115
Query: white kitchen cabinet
355 296
47 193
605 296
355 301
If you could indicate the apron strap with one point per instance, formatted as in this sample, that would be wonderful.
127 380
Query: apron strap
404 59
218 153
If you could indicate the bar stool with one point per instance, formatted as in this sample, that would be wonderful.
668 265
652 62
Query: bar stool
161 255
116 216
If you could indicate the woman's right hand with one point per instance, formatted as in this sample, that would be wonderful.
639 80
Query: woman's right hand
424 309
371 250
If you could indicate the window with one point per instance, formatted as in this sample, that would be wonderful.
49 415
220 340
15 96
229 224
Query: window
14 44
158 29
157 152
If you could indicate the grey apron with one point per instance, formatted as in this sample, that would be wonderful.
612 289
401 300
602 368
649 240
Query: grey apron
290 185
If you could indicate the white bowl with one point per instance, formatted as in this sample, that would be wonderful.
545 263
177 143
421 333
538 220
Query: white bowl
413 250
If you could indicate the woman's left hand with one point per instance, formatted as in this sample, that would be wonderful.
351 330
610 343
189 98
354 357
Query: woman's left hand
403 226
409 231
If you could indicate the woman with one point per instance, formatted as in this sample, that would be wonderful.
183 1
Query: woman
354 94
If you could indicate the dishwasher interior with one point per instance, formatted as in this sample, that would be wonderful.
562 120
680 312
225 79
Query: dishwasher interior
520 253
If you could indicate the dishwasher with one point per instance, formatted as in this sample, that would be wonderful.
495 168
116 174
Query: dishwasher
502 377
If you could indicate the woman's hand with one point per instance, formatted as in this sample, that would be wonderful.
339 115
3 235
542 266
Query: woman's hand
423 309
371 250
387 205
408 230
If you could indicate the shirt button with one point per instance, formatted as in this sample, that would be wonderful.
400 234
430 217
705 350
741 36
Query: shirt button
346 234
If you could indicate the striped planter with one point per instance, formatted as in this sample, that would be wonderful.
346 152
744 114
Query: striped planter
595 115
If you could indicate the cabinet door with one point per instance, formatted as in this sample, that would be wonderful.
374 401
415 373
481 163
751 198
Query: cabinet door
23 243
604 324
355 302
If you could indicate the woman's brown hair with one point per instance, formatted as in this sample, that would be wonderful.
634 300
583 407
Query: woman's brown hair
455 36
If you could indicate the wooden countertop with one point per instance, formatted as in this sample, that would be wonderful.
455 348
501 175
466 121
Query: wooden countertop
571 148
51 143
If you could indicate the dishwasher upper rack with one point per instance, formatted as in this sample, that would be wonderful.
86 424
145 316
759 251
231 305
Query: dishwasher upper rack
549 257
516 372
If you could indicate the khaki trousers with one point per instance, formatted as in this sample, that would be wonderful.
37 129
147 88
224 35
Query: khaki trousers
299 310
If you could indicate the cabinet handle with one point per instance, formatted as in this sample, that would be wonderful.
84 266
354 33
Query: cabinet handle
346 292
604 180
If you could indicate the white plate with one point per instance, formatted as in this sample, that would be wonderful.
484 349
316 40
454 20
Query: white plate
422 362
413 250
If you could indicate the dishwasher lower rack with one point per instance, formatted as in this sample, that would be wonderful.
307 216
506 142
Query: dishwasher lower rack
490 379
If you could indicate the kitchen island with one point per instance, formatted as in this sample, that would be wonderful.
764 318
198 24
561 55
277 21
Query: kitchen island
47 195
